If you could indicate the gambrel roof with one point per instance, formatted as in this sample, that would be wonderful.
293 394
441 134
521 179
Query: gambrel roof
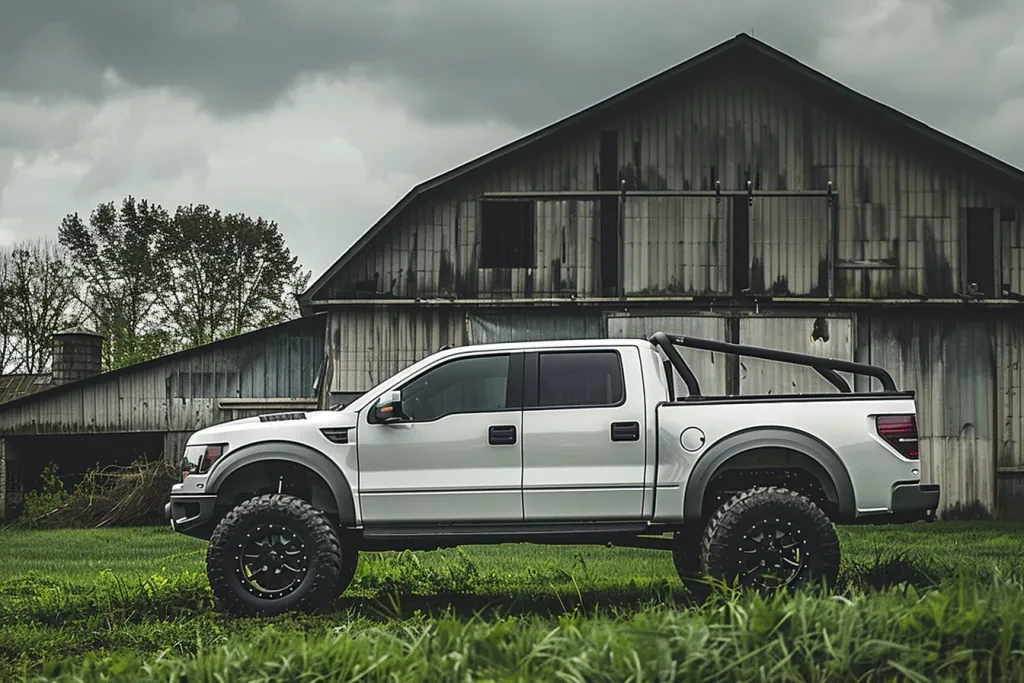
742 45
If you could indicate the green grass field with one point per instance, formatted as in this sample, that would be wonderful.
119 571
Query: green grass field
933 602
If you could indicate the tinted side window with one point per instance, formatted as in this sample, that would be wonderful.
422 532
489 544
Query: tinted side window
578 379
468 385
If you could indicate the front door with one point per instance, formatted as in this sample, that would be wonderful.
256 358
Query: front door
459 456
584 435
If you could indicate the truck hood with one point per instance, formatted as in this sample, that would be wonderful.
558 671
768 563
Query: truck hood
280 425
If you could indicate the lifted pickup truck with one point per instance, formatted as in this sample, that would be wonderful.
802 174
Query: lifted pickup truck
552 442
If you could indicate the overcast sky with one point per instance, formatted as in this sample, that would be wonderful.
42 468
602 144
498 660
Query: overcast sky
321 114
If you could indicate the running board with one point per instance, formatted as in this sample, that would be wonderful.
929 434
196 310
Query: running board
597 533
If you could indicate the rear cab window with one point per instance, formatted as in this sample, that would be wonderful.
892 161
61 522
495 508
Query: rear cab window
580 379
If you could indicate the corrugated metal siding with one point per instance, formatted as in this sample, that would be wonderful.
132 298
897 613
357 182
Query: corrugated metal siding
676 246
180 393
899 206
951 363
1011 248
491 328
368 345
1009 347
828 337
709 368
789 246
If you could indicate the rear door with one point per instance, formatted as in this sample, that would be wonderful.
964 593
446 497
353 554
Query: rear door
584 435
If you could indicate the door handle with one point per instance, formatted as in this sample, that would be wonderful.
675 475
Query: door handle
501 435
625 431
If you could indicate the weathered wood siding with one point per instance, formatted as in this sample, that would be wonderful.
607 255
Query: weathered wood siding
899 209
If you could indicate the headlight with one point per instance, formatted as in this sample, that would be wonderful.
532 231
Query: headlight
199 459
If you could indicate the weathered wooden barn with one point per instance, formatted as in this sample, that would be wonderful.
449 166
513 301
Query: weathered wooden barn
740 195
88 418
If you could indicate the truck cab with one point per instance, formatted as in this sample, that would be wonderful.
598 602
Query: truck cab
579 441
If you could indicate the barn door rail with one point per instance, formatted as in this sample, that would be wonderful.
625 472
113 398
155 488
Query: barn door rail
828 194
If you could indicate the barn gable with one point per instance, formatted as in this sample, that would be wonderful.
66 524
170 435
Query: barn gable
888 226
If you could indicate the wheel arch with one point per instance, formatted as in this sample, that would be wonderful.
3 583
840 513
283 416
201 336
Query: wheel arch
771 448
252 460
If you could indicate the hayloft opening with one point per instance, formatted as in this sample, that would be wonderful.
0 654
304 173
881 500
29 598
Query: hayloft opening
980 242
506 234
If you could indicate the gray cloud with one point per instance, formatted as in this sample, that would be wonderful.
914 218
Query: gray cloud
197 100
522 63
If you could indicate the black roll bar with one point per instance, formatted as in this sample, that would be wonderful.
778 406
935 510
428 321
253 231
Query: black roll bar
826 367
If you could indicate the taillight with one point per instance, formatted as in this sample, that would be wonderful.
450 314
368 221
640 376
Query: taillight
900 432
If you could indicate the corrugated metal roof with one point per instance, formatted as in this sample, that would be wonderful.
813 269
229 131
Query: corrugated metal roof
18 385
181 391
733 48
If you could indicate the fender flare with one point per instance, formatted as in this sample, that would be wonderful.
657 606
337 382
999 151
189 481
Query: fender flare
805 452
287 451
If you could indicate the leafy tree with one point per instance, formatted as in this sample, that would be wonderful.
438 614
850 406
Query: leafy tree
230 274
116 256
8 341
40 300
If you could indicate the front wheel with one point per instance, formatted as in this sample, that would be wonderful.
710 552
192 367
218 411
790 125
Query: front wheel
769 538
272 554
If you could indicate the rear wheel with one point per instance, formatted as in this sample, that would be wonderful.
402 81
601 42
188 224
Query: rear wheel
769 538
272 554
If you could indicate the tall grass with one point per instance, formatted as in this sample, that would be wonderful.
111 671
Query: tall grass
924 602
962 632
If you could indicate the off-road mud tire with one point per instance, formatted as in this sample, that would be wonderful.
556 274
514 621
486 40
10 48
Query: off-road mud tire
322 553
764 513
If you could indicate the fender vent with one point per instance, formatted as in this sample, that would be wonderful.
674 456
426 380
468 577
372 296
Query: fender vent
282 417
335 434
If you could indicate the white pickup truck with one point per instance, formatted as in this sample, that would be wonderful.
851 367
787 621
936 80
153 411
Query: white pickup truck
552 442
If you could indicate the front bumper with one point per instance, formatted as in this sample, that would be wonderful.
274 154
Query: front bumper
190 513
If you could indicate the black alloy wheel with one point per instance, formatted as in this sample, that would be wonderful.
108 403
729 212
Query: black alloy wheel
771 538
272 561
273 554
772 554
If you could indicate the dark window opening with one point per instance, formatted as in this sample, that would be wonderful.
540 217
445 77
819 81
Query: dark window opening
980 241
467 385
1008 214
506 234
584 379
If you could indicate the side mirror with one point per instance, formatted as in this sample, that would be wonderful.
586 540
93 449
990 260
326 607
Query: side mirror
389 408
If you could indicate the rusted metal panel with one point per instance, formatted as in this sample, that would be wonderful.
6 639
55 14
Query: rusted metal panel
179 392
485 328
368 345
824 336
709 368
951 364
676 246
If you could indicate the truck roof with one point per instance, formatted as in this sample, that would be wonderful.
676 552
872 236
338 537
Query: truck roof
550 344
